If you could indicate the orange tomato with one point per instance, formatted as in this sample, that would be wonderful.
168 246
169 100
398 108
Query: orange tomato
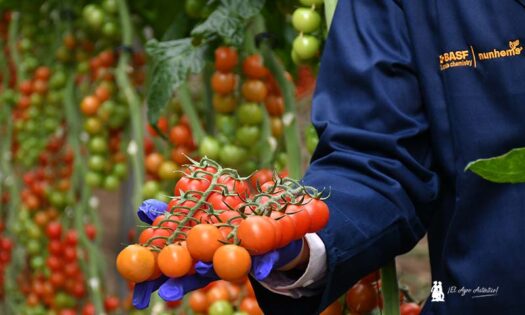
136 263
231 262
174 261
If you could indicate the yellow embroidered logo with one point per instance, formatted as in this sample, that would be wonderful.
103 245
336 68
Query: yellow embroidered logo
514 50
469 57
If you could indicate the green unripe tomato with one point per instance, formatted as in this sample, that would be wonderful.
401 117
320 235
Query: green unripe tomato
33 246
106 110
250 114
226 124
210 147
93 125
194 7
54 97
309 3
51 124
311 138
98 145
63 300
97 163
94 17
168 170
32 230
36 100
248 136
57 80
110 6
306 46
119 117
220 308
111 182
232 155
240 313
109 30
37 262
57 199
151 189
306 20
62 54
93 179
30 63
25 44
120 170
83 67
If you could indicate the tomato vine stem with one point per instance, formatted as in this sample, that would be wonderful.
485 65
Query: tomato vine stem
93 260
389 288
184 95
291 130
136 148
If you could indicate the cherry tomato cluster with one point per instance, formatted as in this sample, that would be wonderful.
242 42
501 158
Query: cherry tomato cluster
163 169
44 191
214 217
105 115
307 21
241 110
102 20
38 112
59 283
224 298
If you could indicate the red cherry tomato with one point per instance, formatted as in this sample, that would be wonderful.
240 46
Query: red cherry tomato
301 219
319 214
253 67
287 227
257 234
225 58
186 184
410 309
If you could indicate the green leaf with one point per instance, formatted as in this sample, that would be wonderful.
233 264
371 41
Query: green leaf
229 20
506 168
172 62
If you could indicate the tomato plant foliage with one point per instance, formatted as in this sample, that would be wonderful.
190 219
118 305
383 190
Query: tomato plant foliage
174 60
228 20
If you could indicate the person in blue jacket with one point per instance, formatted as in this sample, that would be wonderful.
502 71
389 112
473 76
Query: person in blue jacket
408 93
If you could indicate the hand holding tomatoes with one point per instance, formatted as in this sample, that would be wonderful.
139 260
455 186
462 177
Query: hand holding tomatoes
216 227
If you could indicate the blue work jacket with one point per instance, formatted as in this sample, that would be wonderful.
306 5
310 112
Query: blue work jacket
409 92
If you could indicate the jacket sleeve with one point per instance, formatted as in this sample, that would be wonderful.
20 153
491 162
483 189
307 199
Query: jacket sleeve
374 152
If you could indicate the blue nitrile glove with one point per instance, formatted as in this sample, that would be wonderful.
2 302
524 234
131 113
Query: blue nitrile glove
142 291
263 265
150 209
175 288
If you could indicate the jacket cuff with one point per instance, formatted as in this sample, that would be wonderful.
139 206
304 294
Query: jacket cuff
310 282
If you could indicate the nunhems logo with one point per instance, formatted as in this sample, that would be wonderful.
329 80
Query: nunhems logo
513 50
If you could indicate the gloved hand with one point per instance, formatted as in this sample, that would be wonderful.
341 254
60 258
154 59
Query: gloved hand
263 265
142 291
150 209
174 289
